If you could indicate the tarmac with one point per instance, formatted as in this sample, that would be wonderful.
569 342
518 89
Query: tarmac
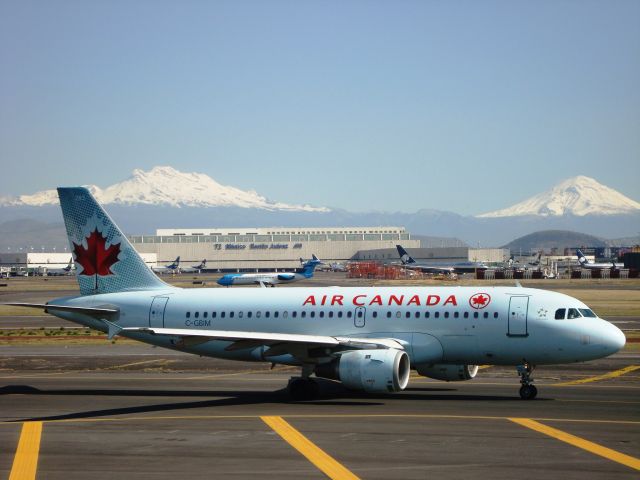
127 410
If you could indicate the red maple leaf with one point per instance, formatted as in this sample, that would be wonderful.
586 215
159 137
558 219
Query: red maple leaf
96 259
480 300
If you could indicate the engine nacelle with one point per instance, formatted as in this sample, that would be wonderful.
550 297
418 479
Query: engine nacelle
384 370
448 372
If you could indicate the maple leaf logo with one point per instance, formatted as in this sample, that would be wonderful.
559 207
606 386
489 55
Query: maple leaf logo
479 300
96 259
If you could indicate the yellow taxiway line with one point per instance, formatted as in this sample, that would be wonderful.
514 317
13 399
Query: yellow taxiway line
25 462
597 378
591 447
327 464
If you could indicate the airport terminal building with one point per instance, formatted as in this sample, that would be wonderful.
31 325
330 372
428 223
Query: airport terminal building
251 249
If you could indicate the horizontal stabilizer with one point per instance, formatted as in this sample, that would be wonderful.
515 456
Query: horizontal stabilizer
67 308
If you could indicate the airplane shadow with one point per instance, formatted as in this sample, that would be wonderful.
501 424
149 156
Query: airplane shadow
331 394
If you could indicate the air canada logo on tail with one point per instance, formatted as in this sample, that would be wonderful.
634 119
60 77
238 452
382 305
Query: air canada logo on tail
480 300
96 258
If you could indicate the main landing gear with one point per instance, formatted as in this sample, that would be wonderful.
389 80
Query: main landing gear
303 387
528 390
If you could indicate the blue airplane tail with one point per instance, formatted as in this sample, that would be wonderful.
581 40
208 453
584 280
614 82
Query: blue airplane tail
404 256
105 260
581 258
309 266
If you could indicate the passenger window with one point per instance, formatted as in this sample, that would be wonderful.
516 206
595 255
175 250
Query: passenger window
375 314
275 314
446 314
398 314
349 314
321 314
230 314
388 314
456 314
407 315
188 314
339 314
486 315
221 314
313 314
495 314
475 314
426 314
205 314
560 313
285 314
331 315
213 314
197 314
417 314
266 314
303 314
248 314
436 315
360 314
257 314
294 314
466 314
240 314
573 313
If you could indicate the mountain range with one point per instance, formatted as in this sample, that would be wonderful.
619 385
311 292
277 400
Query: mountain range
167 198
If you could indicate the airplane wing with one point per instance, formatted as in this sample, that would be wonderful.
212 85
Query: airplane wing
277 343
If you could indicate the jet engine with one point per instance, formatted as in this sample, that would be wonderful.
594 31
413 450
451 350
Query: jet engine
384 370
448 372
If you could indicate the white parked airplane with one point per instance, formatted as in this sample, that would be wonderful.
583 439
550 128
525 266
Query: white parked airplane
171 268
367 337
271 278
68 270
446 268
584 263
194 268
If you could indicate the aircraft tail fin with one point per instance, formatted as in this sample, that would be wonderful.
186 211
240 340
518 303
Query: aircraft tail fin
404 256
105 260
310 265
581 258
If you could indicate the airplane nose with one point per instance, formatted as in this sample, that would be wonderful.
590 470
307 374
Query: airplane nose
613 338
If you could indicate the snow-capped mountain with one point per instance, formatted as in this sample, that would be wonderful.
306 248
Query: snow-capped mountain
578 196
168 186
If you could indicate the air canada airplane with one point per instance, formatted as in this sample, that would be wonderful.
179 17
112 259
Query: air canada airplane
447 268
369 338
271 279
584 263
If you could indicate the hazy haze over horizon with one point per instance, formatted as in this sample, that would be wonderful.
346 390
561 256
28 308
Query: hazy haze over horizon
467 106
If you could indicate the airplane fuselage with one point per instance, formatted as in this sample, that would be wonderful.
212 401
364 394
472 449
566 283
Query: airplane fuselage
458 325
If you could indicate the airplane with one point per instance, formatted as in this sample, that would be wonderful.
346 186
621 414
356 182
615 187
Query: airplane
68 270
172 268
584 263
271 279
368 338
194 268
446 268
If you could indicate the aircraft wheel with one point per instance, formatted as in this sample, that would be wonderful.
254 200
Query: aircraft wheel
301 389
528 392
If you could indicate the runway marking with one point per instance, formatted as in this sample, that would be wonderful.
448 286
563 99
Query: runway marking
605 376
25 462
355 415
327 464
117 367
591 447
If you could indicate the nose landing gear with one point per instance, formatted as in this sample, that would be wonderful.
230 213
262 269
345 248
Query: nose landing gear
528 390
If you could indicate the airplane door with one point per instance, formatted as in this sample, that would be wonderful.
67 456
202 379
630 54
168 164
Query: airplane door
156 312
517 318
359 317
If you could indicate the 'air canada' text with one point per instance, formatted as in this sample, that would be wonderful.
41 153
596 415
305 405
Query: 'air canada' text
390 300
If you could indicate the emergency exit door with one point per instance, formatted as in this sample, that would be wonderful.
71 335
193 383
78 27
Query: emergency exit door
156 312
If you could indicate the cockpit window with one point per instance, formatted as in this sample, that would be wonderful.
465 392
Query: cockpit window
573 313
587 313
560 313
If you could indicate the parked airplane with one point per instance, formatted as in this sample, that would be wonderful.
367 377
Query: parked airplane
271 279
68 270
194 268
172 268
369 338
584 263
447 268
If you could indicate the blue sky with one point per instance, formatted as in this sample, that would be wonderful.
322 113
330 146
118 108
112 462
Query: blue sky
364 105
